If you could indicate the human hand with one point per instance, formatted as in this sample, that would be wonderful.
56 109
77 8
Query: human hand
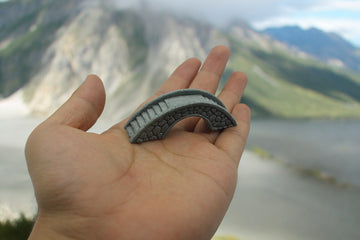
99 186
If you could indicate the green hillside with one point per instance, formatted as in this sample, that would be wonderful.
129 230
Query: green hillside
282 85
26 39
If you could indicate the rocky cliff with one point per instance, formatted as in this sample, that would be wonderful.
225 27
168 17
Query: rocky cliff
131 50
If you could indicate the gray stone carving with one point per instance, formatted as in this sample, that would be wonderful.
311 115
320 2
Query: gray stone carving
155 119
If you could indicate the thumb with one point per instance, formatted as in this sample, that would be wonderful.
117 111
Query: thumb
84 107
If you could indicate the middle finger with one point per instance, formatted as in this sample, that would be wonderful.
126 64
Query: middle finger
207 79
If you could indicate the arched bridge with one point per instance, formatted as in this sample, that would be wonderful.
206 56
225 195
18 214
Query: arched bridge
154 120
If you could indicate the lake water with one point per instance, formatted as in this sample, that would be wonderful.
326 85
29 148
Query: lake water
329 146
332 147
15 186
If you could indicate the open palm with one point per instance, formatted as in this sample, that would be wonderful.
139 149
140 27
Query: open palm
99 186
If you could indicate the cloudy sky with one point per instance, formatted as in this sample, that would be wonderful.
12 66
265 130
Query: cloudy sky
339 16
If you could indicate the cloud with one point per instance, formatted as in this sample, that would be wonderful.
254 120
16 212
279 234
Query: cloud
221 12
350 5
343 27
339 16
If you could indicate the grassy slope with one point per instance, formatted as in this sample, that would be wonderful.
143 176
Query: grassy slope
21 58
281 85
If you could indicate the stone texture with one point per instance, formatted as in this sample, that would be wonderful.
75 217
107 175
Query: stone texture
179 105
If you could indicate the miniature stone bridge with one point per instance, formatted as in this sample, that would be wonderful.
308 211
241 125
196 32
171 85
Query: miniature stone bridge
154 120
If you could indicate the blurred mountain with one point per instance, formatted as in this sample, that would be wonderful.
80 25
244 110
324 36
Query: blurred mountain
47 48
328 47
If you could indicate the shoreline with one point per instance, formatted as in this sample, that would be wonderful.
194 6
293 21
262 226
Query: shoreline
316 174
272 201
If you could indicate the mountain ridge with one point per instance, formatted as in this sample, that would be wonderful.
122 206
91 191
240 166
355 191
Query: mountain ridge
328 47
134 50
